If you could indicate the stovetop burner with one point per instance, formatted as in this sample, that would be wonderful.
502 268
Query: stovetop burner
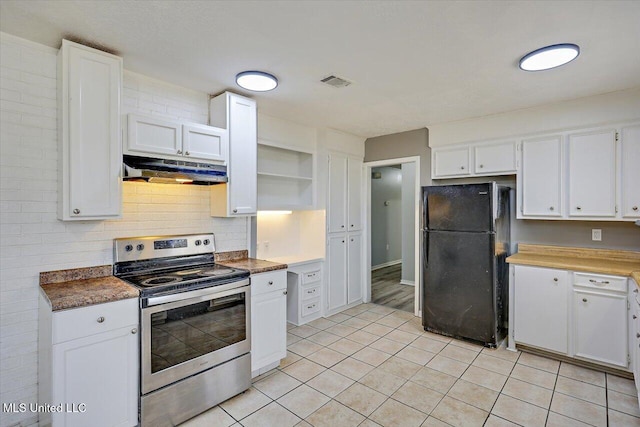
215 271
160 280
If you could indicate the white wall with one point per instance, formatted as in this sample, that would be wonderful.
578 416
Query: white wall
589 111
386 220
298 235
33 240
408 223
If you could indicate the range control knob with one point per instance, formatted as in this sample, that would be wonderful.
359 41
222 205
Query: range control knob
128 248
206 242
198 242
140 247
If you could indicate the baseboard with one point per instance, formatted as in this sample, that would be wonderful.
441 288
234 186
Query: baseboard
386 264
408 282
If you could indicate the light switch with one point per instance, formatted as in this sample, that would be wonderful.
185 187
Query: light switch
596 235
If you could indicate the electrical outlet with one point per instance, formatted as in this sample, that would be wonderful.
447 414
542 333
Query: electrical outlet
596 235
265 244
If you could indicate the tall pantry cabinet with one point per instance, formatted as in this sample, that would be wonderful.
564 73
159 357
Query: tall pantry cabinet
344 226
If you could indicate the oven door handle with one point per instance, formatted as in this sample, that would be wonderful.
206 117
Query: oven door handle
151 301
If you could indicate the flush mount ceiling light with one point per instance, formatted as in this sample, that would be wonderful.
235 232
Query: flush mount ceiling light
549 57
257 81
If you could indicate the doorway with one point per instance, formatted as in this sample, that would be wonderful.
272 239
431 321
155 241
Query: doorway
392 212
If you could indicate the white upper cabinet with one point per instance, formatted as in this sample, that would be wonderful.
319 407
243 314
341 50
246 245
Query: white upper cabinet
474 159
89 147
238 115
354 193
592 173
172 139
630 171
495 158
589 175
540 178
337 215
451 163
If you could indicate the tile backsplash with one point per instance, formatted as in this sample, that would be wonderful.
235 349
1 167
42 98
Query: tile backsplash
33 240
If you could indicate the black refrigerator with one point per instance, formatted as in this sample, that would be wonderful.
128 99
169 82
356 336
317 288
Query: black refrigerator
465 276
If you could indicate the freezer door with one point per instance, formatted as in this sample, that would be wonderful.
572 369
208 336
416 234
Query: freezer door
467 207
459 285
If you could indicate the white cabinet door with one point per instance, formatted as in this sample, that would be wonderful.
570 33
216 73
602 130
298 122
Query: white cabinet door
354 194
89 136
204 142
100 371
153 136
630 171
337 208
592 174
449 163
337 277
541 307
495 158
540 178
600 327
243 156
354 262
268 328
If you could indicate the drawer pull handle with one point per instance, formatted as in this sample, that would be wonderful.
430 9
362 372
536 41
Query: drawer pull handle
578 208
134 331
187 153
311 306
179 151
599 282
635 208
555 279
634 316
100 319
551 208
284 292
270 282
481 166
76 211
462 167
584 300
635 291
235 211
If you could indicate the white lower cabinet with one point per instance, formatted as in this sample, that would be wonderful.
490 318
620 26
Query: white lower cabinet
89 363
600 327
579 315
541 308
304 293
634 319
268 320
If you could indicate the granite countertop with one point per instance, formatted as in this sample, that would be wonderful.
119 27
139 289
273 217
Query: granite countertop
82 287
603 261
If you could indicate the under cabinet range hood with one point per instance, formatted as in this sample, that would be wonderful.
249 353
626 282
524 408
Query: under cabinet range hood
172 171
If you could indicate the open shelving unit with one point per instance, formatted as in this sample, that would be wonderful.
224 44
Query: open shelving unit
286 177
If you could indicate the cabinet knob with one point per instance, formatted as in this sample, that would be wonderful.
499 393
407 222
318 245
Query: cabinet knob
637 335
235 211
187 153
343 241
481 166
134 331
551 208
555 279
462 167
352 240
270 282
584 300
635 291
284 292
578 208
634 316
635 208
76 211
352 225
179 151
342 226
100 319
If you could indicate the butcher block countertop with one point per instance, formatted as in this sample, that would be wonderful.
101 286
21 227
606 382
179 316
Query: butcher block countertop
81 287
603 261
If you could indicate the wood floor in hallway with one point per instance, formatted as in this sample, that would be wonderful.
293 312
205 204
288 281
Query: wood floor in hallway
386 289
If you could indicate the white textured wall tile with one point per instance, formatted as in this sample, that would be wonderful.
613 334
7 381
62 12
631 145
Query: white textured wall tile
33 240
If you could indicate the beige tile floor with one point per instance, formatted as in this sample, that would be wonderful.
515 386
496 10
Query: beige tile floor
375 366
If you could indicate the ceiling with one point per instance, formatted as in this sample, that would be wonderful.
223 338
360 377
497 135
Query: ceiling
412 63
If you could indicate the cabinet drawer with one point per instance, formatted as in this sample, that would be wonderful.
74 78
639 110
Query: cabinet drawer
86 321
311 276
266 282
600 281
310 307
310 292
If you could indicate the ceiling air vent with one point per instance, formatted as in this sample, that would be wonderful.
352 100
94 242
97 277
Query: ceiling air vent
335 81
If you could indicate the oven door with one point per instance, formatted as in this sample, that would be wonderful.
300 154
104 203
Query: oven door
189 332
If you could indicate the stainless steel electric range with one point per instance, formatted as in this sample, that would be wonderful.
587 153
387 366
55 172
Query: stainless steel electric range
195 338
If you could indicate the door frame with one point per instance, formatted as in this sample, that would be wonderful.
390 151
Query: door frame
417 309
